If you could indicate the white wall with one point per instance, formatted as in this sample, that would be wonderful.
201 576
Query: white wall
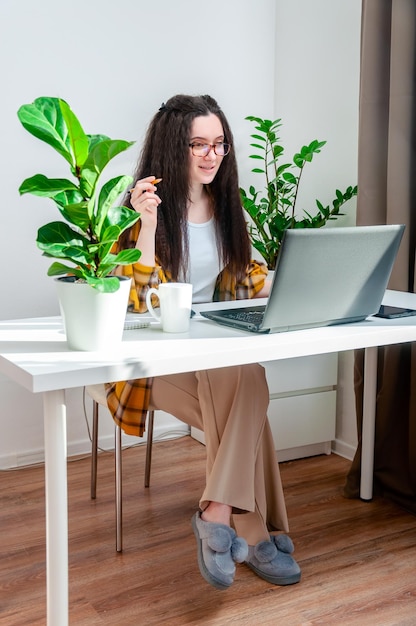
115 63
316 89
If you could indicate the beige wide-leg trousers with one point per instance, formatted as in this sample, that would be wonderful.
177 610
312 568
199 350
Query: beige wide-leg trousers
230 406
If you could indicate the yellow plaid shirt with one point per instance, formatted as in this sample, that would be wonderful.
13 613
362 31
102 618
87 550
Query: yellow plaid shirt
128 400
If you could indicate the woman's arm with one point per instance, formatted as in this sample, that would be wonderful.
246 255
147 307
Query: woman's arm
146 273
145 201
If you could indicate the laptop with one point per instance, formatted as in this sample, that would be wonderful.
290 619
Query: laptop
323 277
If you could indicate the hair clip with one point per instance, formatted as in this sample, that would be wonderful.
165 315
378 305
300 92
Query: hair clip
162 107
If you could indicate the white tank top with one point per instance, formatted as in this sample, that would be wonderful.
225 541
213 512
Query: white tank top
204 260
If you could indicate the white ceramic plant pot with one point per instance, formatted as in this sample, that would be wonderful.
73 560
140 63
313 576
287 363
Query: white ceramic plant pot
92 320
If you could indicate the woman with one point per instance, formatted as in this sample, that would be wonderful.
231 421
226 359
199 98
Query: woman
193 229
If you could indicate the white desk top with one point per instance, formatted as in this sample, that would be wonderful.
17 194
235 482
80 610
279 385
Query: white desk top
33 352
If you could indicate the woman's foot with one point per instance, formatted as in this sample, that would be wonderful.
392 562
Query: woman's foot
272 560
219 549
217 513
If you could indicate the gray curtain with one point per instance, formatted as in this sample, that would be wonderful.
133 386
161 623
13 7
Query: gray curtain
386 195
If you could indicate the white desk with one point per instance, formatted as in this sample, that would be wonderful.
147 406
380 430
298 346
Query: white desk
33 353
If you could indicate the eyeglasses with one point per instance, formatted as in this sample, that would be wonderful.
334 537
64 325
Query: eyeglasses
203 149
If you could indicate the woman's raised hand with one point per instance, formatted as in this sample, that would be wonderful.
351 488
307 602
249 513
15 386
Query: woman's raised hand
144 200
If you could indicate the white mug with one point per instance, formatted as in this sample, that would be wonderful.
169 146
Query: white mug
175 306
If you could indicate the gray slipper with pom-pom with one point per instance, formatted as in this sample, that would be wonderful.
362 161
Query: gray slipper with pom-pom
219 549
272 560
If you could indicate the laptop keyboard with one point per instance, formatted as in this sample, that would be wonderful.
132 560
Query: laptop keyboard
251 317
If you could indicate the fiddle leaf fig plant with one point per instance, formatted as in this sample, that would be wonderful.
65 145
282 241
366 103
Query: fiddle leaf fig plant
92 223
273 209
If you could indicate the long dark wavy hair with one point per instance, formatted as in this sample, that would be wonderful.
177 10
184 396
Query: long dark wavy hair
165 154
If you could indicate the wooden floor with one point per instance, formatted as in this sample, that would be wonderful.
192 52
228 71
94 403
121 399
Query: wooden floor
358 559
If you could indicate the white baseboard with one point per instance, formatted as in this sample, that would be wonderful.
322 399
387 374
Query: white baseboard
343 449
301 452
77 448
165 431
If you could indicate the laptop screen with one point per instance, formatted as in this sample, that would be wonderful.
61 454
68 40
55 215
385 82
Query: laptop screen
331 275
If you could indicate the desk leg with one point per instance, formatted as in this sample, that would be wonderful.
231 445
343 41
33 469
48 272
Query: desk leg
369 423
56 508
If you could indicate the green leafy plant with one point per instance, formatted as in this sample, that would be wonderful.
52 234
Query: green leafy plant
273 209
92 223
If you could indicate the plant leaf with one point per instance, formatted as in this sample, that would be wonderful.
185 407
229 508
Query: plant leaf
100 155
78 140
44 120
123 216
107 197
127 257
40 185
289 178
55 236
58 269
107 284
76 214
